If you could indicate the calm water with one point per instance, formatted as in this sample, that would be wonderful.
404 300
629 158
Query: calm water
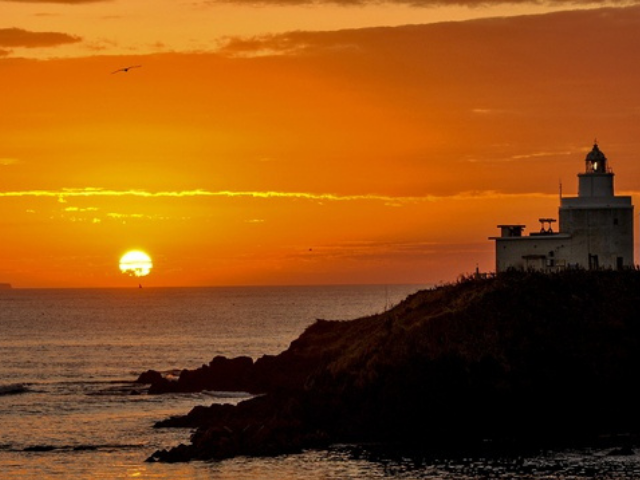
68 408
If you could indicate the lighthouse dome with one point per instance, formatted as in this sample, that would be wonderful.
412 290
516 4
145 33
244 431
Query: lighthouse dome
596 162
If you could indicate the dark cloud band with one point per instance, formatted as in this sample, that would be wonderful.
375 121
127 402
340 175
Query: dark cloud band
17 37
67 2
427 3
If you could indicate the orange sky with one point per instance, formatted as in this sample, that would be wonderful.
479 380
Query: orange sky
363 151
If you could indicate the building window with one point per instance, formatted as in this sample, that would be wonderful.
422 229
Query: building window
619 263
615 221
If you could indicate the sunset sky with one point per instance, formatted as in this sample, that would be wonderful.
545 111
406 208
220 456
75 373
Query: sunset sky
285 142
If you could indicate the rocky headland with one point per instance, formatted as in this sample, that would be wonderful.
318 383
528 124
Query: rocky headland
519 359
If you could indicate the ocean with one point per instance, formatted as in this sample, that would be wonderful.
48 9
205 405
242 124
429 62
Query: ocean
69 407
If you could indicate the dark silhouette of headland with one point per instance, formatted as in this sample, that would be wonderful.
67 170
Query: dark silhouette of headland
517 360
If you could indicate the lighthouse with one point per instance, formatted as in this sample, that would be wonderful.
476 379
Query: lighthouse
595 229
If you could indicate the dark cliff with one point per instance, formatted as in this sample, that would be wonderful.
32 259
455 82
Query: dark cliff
522 357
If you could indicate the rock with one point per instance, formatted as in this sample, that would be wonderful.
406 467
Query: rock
150 376
181 453
222 374
288 370
268 425
163 385
198 416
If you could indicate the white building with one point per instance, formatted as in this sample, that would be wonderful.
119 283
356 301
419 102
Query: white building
595 229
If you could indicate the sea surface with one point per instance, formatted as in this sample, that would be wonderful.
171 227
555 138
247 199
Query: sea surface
69 408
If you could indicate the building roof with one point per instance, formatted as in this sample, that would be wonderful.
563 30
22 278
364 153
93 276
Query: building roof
596 155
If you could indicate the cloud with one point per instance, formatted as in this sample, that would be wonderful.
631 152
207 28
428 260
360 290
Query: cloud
507 35
368 248
425 3
551 155
385 251
17 37
66 2
446 37
78 209
265 44
63 194
527 156
287 43
126 215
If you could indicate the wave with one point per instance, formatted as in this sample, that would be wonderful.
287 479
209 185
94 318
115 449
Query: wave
221 394
13 389
171 372
119 389
96 382
44 448
88 387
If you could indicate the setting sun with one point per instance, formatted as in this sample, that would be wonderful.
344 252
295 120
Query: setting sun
136 263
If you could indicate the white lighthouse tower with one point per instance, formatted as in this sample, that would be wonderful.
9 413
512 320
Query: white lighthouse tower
600 223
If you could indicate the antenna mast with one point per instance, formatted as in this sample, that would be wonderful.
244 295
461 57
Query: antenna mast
560 189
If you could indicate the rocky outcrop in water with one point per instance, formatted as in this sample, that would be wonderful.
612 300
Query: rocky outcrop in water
521 358
13 389
220 374
266 425
287 371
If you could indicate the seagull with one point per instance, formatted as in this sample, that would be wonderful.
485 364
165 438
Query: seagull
126 69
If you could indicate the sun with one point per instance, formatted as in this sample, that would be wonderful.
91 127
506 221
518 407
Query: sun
136 263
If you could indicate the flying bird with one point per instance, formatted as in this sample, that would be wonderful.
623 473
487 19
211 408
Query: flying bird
126 69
